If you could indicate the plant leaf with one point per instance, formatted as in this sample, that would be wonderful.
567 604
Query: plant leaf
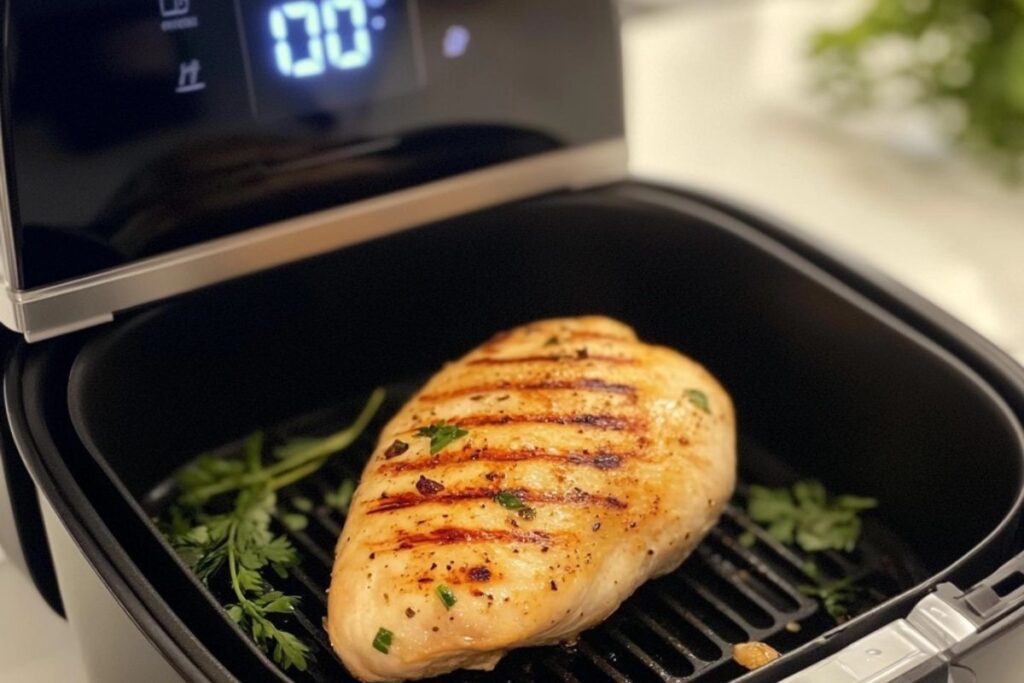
441 434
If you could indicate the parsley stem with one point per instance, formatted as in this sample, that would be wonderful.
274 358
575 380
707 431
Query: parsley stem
304 458
232 564
335 442
295 475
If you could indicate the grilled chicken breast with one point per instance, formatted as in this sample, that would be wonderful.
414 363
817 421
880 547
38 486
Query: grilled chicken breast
570 464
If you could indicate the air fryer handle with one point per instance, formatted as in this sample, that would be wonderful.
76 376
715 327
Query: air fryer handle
995 651
951 636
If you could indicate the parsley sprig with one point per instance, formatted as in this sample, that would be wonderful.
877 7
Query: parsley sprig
230 541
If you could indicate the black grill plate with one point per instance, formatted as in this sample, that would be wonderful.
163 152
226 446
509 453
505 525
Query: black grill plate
680 627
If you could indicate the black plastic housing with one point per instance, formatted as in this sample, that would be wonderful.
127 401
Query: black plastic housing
158 136
847 376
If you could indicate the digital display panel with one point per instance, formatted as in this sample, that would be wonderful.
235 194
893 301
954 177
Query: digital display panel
136 127
307 55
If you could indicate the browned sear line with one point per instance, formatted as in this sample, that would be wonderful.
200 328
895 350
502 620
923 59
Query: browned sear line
410 499
613 423
615 360
450 535
585 334
582 384
601 460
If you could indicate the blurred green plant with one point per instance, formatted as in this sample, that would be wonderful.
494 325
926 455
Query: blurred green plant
962 60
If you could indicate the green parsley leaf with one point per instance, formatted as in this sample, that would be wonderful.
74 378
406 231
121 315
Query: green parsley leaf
447 596
747 539
509 500
807 516
294 521
290 651
699 399
382 641
302 504
810 567
440 435
840 598
341 499
809 492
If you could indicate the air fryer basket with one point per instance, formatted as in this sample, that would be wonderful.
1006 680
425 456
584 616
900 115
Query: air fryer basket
826 384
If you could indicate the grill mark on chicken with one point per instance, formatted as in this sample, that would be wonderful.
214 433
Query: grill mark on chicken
615 360
601 460
583 384
604 336
401 501
615 423
452 535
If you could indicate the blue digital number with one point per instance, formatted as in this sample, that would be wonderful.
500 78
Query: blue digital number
309 13
361 52
322 25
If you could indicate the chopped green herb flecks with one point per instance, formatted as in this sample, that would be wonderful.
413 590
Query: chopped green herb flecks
806 516
810 567
552 341
699 399
294 521
747 539
440 435
302 504
840 598
341 498
511 501
447 596
382 641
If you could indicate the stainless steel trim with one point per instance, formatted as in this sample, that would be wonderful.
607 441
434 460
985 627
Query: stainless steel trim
53 310
885 655
941 622
8 256
882 656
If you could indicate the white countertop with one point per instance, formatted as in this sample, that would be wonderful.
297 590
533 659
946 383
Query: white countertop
35 644
712 104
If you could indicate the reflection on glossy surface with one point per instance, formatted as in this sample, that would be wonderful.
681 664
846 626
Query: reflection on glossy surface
132 118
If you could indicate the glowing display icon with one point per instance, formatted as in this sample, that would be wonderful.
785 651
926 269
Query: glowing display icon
173 8
337 36
188 77
456 41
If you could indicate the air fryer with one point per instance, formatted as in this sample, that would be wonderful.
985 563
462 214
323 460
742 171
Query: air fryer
273 270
